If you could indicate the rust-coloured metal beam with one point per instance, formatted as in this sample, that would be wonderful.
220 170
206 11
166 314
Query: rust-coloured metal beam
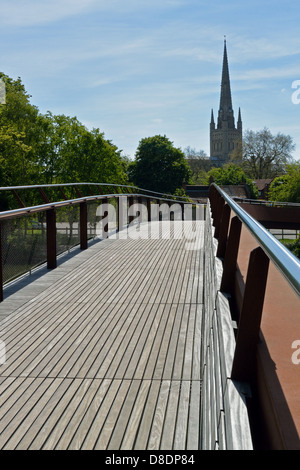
51 238
44 196
243 366
231 254
83 226
223 231
21 203
1 265
62 193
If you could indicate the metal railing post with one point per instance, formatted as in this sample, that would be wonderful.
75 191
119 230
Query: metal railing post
243 364
223 232
130 203
218 214
149 208
51 238
105 215
83 226
231 254
1 265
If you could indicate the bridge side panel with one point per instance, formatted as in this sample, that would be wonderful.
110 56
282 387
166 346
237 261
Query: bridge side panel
224 416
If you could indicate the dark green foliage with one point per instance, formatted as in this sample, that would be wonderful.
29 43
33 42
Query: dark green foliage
46 149
232 174
159 166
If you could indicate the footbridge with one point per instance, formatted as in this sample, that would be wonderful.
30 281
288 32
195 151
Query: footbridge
133 320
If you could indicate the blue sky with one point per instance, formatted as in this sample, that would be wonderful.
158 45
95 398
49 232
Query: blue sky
138 68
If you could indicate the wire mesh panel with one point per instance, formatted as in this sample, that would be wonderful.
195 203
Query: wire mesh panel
23 245
67 228
92 219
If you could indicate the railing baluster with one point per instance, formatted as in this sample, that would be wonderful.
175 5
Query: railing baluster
83 226
1 265
51 238
105 215
223 232
250 318
231 254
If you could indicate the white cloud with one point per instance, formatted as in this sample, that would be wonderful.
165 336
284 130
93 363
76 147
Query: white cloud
269 73
32 12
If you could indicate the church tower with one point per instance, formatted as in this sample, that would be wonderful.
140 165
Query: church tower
224 135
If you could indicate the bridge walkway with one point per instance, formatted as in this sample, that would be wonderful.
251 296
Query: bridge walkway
103 352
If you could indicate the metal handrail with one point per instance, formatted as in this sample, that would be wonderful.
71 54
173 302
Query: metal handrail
51 205
285 261
261 202
57 185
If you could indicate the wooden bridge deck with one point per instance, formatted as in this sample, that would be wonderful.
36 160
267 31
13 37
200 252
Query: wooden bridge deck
104 351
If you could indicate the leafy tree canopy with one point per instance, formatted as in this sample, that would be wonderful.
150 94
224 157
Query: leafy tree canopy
158 165
199 163
231 174
286 188
40 148
264 155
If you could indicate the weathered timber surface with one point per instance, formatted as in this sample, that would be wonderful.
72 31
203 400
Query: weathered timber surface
224 416
104 351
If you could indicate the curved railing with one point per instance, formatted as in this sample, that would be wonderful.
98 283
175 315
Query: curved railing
26 242
288 264
253 282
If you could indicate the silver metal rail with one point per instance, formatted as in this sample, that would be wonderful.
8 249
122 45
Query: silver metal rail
60 185
285 261
51 205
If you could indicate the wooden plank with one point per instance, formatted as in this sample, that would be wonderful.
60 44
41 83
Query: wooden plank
97 351
213 394
219 405
77 436
197 344
146 421
169 427
182 417
236 418
170 357
42 405
189 342
15 407
165 334
181 345
148 348
132 428
75 430
193 430
77 395
113 429
226 337
100 415
159 416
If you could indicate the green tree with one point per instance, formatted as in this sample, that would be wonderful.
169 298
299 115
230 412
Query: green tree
72 153
199 164
231 174
286 188
20 133
264 155
158 165
40 148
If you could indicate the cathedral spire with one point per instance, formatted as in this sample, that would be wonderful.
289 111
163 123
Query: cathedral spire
224 136
239 121
212 120
225 109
